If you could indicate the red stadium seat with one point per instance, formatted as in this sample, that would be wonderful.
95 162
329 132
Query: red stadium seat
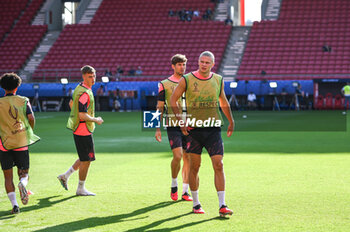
338 102
319 102
329 101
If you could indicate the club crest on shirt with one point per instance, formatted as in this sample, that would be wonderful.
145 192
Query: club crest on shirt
195 87
14 114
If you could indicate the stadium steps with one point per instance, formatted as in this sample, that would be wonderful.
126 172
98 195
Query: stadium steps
221 11
90 12
6 34
40 53
40 17
272 10
234 52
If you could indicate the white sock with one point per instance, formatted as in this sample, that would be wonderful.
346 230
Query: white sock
184 188
195 198
221 195
24 180
173 182
81 185
12 197
69 172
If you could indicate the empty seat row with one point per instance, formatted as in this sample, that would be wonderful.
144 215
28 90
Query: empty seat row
136 39
286 47
23 38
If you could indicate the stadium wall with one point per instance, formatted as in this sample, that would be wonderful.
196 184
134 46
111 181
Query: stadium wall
146 92
151 88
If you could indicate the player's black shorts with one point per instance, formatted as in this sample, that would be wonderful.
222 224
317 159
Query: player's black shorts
176 138
12 158
85 147
210 138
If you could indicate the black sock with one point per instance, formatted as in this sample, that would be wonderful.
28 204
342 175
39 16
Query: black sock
173 189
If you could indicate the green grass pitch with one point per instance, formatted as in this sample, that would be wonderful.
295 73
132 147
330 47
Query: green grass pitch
283 173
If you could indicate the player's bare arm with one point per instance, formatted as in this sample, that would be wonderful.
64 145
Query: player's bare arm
86 117
160 107
179 90
225 106
31 120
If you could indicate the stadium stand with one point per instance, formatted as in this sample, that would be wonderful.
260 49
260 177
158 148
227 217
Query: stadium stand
16 48
124 33
30 12
292 46
11 10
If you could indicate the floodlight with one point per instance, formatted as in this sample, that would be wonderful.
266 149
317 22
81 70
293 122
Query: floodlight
105 79
64 81
273 84
36 86
233 85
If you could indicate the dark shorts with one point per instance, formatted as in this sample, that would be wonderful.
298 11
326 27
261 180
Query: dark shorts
176 138
210 138
85 147
12 158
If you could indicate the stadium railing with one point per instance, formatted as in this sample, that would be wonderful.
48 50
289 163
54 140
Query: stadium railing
74 75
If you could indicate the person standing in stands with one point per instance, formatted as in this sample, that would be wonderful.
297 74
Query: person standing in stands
16 134
138 71
177 140
204 91
82 122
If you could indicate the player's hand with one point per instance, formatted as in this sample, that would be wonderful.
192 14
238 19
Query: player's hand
99 120
158 135
230 129
184 130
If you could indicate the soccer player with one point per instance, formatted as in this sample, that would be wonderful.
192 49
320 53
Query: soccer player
204 92
16 134
177 140
82 122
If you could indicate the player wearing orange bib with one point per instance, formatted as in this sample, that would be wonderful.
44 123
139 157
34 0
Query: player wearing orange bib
16 134
204 93
177 140
82 122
